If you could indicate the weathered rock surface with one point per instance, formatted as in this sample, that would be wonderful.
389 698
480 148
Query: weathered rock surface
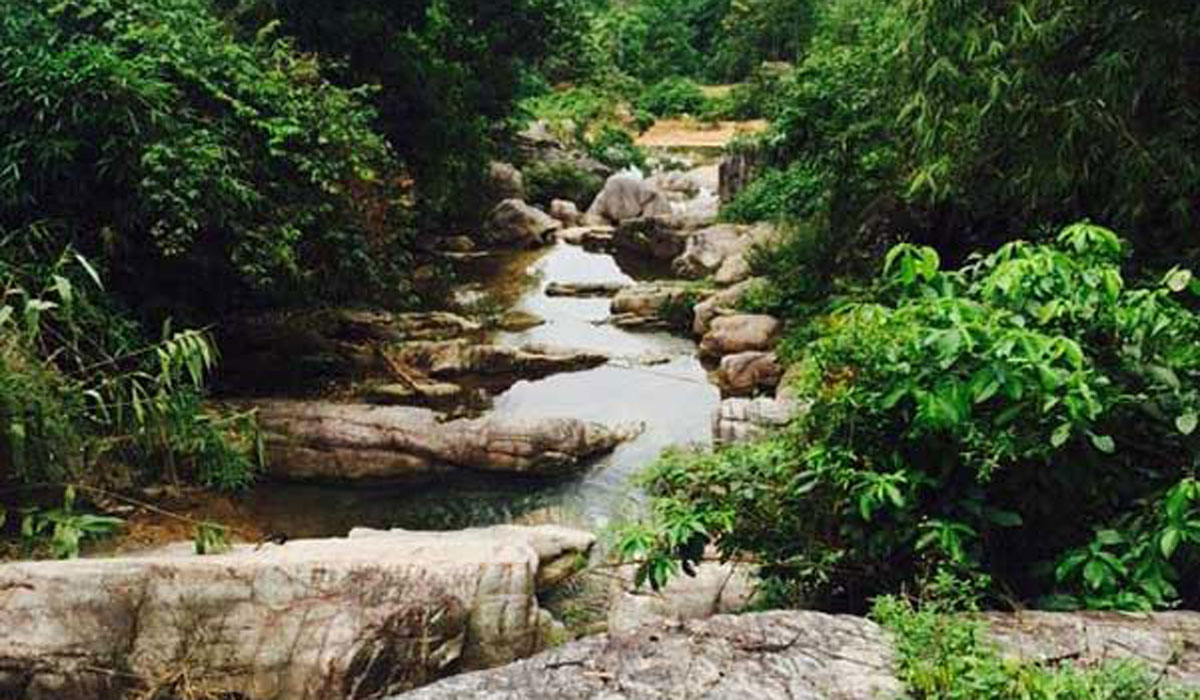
505 181
322 441
675 184
740 420
800 655
655 237
746 373
584 289
514 223
649 304
626 197
594 237
447 359
355 618
722 251
766 656
565 211
516 320
283 349
722 303
537 144
740 333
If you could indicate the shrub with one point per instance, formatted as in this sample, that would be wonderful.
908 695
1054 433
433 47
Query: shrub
671 97
561 180
615 148
1030 416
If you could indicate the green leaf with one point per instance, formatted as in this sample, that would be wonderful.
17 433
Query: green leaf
1186 423
1170 541
1104 443
1178 279
1060 435
91 271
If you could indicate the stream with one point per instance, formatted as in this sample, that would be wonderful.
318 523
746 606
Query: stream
655 378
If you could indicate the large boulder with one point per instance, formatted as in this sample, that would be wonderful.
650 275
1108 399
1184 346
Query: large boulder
338 619
565 211
654 237
626 196
742 420
515 223
746 373
765 656
505 181
717 588
740 333
323 441
791 655
722 251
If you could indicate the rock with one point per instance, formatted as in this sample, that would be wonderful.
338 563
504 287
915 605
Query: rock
537 144
566 212
587 236
740 420
515 321
456 244
317 440
1165 642
436 393
722 251
664 304
651 237
505 181
788 388
584 289
765 656
745 373
283 350
724 302
715 589
627 197
740 333
336 619
675 184
785 655
458 358
696 213
515 223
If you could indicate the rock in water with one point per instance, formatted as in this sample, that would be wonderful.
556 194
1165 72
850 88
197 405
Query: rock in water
584 289
317 440
337 619
459 358
654 237
728 335
515 223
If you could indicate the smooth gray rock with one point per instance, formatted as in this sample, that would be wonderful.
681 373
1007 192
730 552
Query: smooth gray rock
625 197
722 251
740 420
515 223
566 212
653 237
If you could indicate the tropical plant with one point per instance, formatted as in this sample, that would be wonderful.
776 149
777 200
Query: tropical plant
1031 416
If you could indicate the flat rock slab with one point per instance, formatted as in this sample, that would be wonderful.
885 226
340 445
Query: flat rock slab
808 656
324 441
457 358
767 656
361 617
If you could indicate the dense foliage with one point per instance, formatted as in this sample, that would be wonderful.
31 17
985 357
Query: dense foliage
198 171
1031 416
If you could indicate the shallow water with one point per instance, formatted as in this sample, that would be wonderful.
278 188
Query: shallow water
673 400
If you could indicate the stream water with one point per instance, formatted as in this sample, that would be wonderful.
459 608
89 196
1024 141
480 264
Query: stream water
671 397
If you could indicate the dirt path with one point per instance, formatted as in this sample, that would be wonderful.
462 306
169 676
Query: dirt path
687 133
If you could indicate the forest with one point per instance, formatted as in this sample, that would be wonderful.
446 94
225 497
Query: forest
965 232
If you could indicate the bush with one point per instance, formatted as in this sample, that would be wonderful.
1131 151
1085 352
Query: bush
672 97
545 182
615 148
1031 417
199 171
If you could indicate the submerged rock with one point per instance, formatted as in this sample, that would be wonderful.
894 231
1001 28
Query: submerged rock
584 289
790 655
322 441
514 223
738 333
765 656
336 619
